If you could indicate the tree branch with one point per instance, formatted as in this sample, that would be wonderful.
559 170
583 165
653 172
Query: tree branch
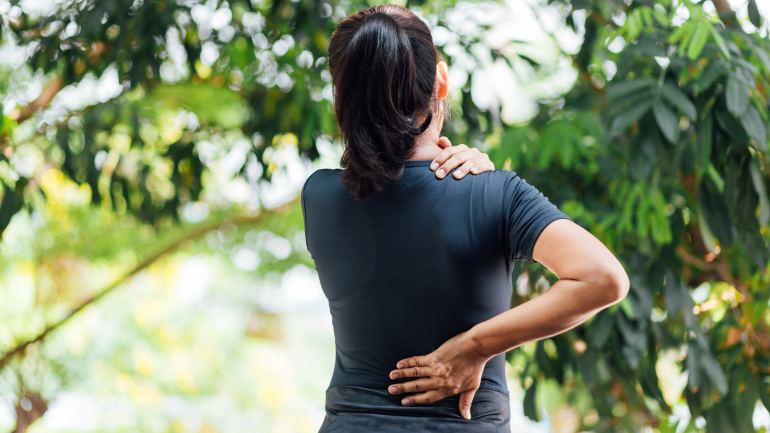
45 98
718 270
195 234
724 11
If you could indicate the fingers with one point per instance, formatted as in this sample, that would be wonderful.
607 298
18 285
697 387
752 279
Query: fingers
429 397
415 361
444 142
484 166
411 372
420 385
479 162
458 159
466 398
438 164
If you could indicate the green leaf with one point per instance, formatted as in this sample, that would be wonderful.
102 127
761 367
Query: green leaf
646 47
736 95
759 187
763 56
649 381
716 178
764 391
705 231
693 364
754 16
746 403
587 49
625 305
617 106
624 88
661 229
698 41
641 157
732 127
704 138
675 294
755 127
715 212
675 96
667 121
600 329
530 404
661 17
630 116
720 41
8 207
743 201
711 73
677 34
714 373
740 194
718 419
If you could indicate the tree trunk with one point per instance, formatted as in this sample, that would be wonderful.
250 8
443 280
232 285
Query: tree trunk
28 410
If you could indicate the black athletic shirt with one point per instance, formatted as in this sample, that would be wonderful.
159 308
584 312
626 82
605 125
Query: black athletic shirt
412 266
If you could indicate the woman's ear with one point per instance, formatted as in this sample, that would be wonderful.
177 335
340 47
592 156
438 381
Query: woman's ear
442 76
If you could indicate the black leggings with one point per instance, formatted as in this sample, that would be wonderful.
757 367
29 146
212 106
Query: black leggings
352 409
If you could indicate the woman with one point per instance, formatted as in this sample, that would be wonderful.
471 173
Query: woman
417 270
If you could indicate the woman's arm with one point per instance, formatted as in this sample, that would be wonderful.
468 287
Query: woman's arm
590 279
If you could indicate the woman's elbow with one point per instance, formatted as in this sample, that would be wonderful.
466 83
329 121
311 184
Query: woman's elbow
616 285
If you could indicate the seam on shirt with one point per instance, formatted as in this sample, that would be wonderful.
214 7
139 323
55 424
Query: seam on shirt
506 215
418 163
542 223
302 204
371 386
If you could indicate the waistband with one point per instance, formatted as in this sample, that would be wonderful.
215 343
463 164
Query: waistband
363 407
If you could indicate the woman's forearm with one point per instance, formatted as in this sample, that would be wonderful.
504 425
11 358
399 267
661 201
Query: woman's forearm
590 279
567 304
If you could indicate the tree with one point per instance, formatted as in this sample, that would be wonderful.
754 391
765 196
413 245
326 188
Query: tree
677 185
659 149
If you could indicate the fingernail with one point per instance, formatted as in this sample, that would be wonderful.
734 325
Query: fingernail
441 173
475 169
458 173
394 375
392 389
434 166
400 365
467 414
406 402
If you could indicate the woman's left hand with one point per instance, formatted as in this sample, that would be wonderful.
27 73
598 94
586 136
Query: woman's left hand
454 368
468 159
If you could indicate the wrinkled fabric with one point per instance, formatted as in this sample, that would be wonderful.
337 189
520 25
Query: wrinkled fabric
418 263
356 409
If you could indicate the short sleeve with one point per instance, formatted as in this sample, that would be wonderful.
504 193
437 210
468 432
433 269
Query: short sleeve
304 213
526 212
304 208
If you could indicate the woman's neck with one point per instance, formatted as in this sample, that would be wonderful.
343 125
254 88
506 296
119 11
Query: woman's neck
426 145
425 151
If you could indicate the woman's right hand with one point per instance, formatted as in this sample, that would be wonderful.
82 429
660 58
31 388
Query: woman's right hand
463 158
453 368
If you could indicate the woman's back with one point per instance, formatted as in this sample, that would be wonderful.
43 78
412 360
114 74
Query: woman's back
410 267
417 269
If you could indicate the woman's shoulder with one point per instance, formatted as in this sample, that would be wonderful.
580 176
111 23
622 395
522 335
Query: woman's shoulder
323 179
499 179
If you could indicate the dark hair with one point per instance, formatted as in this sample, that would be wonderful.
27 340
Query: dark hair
383 66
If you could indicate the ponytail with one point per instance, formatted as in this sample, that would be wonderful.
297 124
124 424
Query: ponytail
383 66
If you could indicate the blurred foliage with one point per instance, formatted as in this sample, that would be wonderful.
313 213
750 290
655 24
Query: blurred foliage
660 151
160 125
